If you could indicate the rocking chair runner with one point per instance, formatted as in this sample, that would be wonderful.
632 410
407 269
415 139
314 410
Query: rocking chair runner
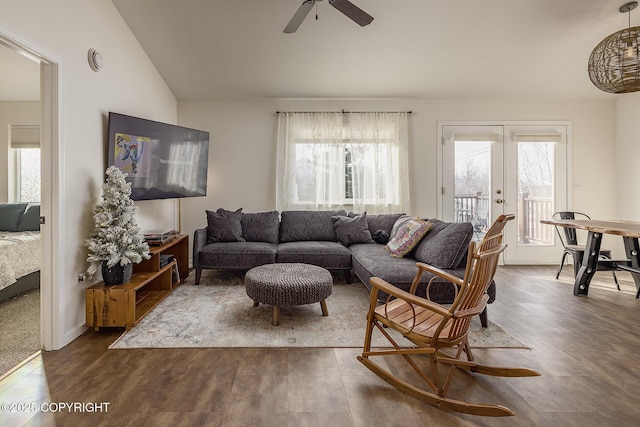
434 328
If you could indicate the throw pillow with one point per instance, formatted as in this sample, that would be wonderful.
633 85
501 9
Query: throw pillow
397 225
379 222
446 244
350 231
407 236
381 237
224 226
10 215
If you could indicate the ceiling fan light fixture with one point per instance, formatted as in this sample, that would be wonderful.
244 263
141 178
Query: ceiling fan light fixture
347 8
614 64
352 12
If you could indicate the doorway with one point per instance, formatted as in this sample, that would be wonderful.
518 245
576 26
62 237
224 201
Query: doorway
50 211
520 168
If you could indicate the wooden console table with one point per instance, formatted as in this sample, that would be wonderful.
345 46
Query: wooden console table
124 305
630 233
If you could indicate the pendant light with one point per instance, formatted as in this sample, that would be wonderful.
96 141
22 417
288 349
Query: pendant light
614 64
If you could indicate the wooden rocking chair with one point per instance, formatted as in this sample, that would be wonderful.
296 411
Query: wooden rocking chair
433 328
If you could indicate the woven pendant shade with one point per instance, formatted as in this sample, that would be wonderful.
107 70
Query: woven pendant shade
614 64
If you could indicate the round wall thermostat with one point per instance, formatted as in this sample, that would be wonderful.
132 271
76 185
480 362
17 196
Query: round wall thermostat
95 60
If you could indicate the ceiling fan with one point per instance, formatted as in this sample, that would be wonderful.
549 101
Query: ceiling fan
352 11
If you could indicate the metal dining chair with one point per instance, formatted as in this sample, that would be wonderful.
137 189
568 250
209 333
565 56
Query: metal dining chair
569 240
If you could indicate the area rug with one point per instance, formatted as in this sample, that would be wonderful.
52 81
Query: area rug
218 313
20 337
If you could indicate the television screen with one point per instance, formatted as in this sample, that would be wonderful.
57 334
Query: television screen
162 161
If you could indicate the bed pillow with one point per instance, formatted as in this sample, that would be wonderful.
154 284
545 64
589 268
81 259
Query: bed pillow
350 231
445 245
30 221
10 215
224 226
407 237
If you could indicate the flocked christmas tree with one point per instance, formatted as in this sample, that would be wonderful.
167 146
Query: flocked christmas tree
117 237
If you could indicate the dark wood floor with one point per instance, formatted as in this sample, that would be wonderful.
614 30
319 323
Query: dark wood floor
585 347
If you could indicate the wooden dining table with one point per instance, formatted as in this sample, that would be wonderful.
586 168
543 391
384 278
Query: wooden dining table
591 262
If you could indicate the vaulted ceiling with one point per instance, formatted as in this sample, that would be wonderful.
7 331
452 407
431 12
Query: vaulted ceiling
435 49
428 49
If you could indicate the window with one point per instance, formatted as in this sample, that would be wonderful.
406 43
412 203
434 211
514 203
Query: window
25 150
28 176
356 161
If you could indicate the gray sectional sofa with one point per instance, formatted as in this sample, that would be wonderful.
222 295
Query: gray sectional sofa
335 240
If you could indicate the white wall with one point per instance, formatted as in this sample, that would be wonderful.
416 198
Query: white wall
242 158
128 83
628 156
13 113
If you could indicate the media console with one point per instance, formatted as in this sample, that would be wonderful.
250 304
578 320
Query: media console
124 305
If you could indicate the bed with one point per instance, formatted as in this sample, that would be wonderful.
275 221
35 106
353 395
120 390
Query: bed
19 249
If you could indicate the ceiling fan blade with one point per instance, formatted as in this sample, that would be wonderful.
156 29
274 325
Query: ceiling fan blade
352 11
299 16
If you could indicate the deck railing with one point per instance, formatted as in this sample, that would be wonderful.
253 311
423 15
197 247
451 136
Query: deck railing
531 210
474 208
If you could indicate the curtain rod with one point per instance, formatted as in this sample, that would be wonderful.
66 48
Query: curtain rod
343 112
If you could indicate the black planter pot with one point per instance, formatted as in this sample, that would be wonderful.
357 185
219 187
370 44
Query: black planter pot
116 275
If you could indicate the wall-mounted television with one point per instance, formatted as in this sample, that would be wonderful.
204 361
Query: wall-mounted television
162 161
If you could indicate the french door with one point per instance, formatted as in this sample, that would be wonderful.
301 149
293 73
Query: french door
489 169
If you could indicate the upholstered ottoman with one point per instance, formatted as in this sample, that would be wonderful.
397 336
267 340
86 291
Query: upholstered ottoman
286 284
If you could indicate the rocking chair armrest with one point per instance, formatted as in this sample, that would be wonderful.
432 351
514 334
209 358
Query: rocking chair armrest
454 281
482 303
378 284
440 273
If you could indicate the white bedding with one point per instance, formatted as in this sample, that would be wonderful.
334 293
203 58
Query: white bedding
19 255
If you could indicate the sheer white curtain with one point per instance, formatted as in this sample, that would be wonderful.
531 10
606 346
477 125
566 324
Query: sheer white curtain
355 161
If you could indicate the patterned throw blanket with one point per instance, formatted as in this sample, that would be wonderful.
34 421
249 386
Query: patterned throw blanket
19 255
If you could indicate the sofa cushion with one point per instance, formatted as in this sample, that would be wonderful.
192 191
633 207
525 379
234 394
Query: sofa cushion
261 226
224 226
407 237
375 261
30 221
296 226
239 255
330 255
378 262
445 245
352 230
10 215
